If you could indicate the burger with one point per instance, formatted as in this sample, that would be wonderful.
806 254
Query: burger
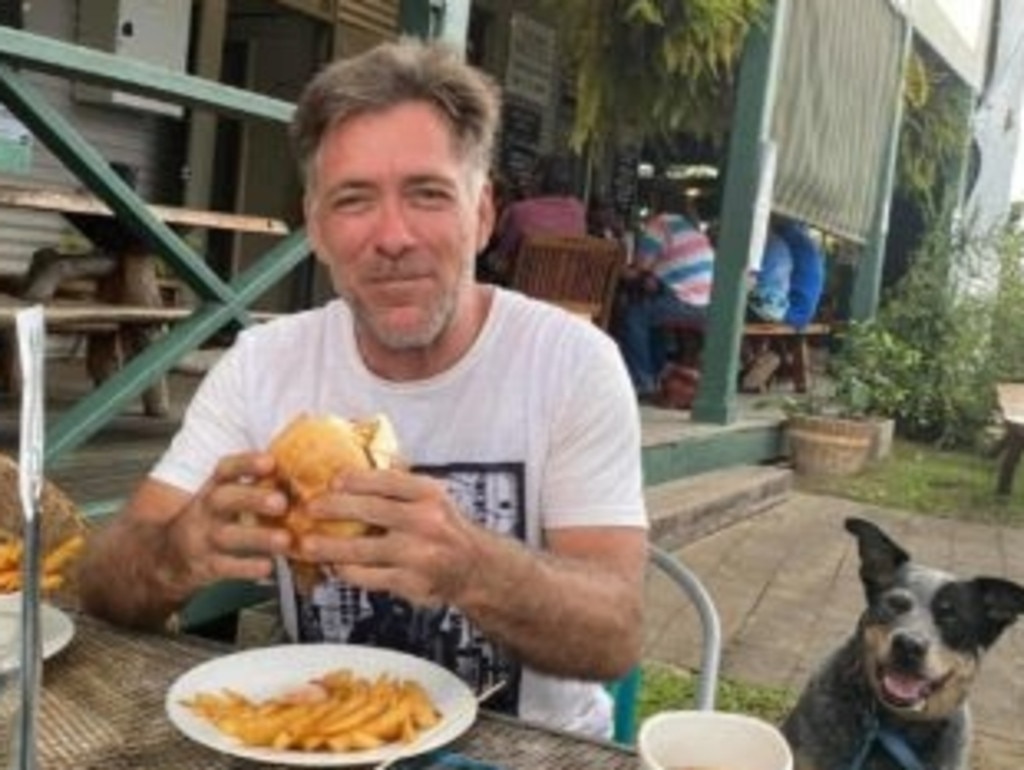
308 454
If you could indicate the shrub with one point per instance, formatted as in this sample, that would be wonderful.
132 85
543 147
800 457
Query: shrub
957 318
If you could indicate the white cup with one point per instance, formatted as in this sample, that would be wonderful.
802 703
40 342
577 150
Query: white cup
711 740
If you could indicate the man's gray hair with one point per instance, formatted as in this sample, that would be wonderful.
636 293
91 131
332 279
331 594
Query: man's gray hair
396 73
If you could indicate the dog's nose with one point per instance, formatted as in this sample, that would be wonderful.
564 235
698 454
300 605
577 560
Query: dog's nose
908 650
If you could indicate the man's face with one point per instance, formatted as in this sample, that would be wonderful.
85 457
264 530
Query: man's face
397 218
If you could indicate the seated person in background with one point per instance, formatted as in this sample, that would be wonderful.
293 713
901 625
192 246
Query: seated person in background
768 301
807 281
671 275
553 210
514 547
791 278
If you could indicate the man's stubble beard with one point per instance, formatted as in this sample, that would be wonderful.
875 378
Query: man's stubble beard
441 315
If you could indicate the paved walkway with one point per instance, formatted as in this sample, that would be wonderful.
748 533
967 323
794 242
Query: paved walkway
786 586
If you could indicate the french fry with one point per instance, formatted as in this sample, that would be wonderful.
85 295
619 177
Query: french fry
55 564
338 712
57 559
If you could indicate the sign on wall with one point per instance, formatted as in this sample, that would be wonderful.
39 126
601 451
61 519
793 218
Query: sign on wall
530 70
15 144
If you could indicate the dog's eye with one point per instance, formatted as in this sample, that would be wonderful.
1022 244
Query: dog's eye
897 602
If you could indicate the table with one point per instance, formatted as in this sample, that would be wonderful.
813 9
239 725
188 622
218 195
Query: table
102 708
1011 404
127 274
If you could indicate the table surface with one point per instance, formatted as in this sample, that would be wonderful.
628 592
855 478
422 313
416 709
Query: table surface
103 707
1011 402
73 202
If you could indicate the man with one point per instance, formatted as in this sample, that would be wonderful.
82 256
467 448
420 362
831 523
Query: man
515 548
671 280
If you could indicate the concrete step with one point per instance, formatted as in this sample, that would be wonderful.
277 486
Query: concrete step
687 509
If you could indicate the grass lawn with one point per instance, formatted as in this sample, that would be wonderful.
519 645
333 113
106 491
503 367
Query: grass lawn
667 687
916 478
923 479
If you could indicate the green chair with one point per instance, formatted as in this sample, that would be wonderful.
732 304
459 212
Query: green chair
626 690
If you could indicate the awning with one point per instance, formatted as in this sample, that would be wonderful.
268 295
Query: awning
839 85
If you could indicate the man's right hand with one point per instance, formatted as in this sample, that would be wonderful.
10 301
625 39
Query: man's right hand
227 530
167 544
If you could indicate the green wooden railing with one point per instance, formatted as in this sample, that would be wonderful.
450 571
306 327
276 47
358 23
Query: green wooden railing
221 302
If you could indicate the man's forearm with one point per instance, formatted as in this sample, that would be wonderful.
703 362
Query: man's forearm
561 615
124 577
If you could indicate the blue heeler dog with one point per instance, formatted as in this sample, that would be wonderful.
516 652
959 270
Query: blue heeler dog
894 695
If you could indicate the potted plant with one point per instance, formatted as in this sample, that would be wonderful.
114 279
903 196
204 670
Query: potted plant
850 420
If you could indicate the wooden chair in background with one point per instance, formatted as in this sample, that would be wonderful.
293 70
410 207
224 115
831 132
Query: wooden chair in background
578 273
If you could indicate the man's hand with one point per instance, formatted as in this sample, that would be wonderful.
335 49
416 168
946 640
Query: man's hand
573 609
427 553
167 544
227 530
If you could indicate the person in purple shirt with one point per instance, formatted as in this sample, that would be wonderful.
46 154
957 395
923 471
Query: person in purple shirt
554 210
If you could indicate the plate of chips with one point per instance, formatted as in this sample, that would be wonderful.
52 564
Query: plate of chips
56 630
321 705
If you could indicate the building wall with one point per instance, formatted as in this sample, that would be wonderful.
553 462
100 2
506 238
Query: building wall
149 143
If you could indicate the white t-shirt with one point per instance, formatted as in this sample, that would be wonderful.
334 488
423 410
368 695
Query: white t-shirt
534 428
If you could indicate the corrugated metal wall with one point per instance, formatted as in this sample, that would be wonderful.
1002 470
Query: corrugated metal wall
147 142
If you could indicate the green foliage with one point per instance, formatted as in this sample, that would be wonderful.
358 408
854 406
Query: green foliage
934 131
958 337
646 68
667 688
1008 310
873 371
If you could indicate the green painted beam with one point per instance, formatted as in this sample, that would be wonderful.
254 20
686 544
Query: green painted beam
755 99
90 414
80 63
85 162
727 449
867 280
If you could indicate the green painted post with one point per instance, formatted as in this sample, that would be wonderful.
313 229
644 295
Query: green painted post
67 60
867 279
716 397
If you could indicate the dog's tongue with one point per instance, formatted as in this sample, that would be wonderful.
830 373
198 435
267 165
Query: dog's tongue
904 687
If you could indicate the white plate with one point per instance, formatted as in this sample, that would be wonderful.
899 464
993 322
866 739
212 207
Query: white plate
55 628
269 671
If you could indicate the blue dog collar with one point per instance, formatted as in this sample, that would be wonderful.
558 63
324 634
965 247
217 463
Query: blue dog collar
894 744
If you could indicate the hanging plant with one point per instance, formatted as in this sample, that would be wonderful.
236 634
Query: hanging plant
650 68
934 131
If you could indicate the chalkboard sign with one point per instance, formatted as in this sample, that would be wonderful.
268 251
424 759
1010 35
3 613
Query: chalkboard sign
520 139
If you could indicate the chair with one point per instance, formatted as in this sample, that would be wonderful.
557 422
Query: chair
625 690
579 273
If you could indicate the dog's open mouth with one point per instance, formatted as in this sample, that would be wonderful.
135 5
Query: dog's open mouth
905 690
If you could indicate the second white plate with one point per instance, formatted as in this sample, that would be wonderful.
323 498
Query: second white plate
269 671
55 628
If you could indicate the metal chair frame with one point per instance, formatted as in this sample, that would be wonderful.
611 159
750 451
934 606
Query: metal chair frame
626 690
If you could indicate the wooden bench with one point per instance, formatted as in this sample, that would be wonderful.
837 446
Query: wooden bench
1011 405
105 323
789 342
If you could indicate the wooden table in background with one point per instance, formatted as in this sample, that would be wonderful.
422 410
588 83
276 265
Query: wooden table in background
130 283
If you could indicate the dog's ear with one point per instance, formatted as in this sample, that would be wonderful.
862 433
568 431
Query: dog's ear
880 557
1002 601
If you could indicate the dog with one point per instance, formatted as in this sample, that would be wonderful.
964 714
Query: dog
894 695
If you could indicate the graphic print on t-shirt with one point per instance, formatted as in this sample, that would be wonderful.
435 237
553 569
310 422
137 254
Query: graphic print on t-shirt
491 495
